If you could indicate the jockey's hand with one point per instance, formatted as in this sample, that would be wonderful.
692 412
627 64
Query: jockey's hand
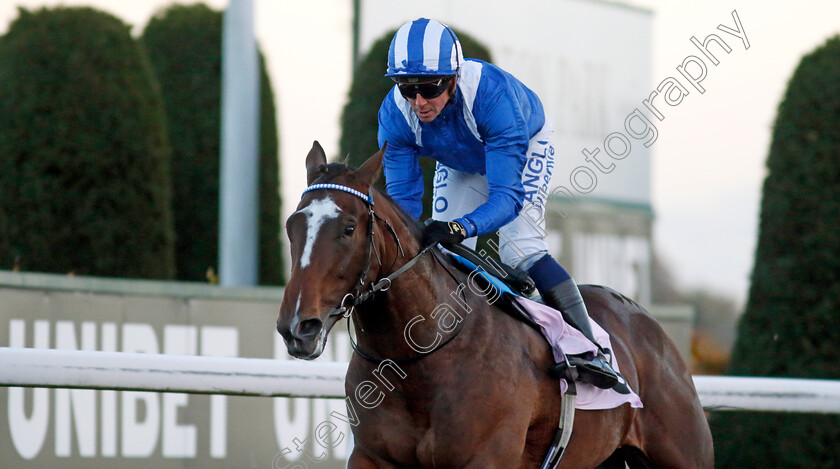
444 232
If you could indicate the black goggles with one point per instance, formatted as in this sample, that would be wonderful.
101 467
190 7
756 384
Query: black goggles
428 90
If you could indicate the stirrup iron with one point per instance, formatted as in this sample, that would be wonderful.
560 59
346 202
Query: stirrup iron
595 372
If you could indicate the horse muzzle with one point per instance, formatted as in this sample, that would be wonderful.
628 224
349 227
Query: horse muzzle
304 339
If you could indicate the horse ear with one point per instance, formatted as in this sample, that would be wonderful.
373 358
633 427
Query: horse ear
370 169
316 162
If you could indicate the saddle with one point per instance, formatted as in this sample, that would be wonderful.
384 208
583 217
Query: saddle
517 283
516 280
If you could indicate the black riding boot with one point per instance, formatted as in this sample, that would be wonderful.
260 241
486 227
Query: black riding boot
565 297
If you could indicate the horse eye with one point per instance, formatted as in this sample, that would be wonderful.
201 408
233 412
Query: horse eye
349 229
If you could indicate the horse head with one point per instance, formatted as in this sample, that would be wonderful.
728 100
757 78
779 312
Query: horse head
332 242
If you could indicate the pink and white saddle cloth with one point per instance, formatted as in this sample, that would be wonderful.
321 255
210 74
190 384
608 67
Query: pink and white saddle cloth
567 340
564 340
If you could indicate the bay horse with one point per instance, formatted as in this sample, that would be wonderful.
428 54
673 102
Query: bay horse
467 386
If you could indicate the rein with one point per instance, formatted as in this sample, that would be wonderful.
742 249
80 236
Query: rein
402 361
356 297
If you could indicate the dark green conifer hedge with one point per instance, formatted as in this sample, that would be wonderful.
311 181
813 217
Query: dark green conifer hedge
84 157
790 326
184 44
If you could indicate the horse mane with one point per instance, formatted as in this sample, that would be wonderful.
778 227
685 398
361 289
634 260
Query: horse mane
414 226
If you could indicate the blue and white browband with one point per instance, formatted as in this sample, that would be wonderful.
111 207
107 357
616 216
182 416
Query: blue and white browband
368 199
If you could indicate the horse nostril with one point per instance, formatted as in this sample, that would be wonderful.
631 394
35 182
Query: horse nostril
310 328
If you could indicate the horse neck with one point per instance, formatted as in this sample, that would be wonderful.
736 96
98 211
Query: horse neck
425 289
409 311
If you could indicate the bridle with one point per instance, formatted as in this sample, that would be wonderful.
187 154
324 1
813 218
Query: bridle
356 297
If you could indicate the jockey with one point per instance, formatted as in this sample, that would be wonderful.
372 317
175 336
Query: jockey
493 147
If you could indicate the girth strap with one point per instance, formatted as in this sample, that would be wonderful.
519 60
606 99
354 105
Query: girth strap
564 430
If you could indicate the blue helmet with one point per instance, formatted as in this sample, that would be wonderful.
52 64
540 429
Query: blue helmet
424 47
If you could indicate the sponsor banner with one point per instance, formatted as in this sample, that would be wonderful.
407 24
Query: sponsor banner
83 428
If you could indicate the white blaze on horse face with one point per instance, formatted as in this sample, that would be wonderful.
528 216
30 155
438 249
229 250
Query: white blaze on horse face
316 213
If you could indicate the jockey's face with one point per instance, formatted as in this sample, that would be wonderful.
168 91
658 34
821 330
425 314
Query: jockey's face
428 109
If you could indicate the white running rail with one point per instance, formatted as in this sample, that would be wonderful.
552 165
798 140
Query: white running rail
769 394
170 373
281 378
